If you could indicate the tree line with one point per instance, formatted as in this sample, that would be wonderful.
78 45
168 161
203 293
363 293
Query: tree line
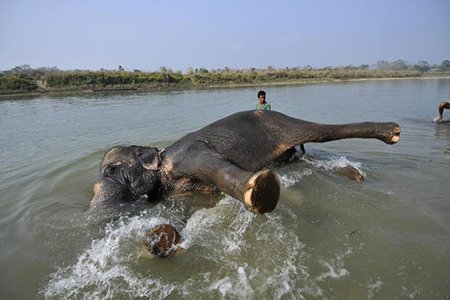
26 79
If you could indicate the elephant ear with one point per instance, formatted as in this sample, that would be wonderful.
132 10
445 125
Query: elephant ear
150 158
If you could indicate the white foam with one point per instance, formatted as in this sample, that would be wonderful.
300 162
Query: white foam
326 162
274 270
335 266
332 163
374 288
293 178
102 271
333 271
235 285
274 262
202 226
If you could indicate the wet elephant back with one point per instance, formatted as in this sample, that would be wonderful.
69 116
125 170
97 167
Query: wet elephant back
250 139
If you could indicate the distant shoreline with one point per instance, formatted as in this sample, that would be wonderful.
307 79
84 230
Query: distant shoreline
127 88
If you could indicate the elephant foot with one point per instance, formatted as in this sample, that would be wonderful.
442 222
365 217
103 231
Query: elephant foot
263 192
350 172
163 241
395 135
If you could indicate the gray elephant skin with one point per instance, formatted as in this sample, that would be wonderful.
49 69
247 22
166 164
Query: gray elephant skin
232 155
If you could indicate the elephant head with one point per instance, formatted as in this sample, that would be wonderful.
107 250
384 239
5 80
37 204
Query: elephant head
128 173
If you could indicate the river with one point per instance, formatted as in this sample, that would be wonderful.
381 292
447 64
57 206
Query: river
329 237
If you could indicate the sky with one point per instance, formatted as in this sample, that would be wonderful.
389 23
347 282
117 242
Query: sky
238 34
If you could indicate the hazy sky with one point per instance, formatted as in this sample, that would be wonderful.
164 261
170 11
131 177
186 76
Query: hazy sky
178 34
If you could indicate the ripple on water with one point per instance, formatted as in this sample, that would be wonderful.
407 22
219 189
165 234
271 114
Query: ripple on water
104 269
229 252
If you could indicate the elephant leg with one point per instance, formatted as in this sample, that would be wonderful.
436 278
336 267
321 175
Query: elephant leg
259 192
388 132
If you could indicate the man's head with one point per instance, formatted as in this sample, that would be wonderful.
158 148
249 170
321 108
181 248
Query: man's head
262 96
163 241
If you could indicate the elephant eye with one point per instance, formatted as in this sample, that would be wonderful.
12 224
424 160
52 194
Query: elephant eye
109 171
113 169
137 152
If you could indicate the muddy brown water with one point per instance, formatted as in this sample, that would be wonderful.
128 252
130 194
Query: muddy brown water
329 238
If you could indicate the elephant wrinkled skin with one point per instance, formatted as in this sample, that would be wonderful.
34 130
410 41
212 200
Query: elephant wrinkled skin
232 155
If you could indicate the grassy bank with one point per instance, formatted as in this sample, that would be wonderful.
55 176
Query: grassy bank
40 81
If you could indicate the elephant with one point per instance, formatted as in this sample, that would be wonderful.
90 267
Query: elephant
233 155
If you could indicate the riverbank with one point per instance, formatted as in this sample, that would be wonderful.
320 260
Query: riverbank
79 83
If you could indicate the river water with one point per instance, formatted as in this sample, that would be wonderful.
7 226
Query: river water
329 237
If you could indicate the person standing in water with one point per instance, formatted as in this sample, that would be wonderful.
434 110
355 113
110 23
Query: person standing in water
442 106
262 103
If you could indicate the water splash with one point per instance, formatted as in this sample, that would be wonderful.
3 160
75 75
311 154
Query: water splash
316 160
292 178
229 253
335 270
332 163
103 270
374 288
247 270
202 227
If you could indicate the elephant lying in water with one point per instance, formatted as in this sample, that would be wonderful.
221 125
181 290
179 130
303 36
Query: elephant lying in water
230 155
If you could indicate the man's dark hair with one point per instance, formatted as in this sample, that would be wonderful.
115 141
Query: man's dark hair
261 93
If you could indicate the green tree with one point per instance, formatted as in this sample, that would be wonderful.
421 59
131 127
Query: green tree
445 65
422 66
